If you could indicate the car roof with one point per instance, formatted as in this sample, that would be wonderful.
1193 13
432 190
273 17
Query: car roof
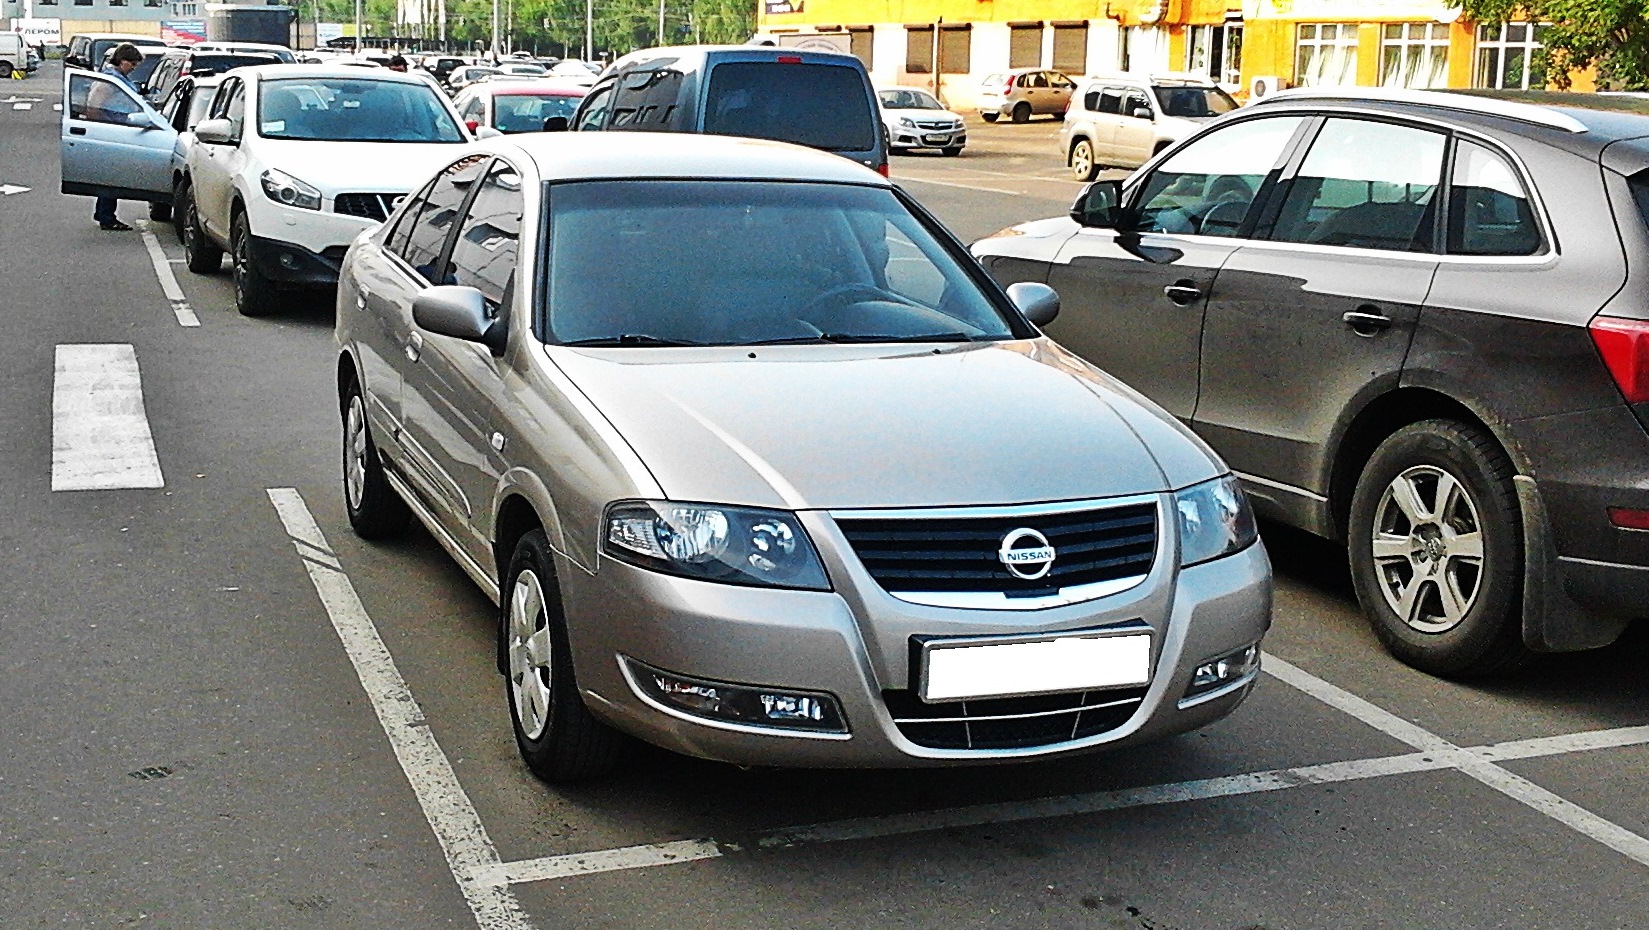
353 72
905 87
699 53
577 156
537 87
94 36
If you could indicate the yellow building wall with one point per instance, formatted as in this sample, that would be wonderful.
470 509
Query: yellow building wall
860 12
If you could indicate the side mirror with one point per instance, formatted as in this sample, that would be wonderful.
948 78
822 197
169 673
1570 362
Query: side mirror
1039 302
1100 206
141 120
215 132
555 124
487 132
459 312
1142 112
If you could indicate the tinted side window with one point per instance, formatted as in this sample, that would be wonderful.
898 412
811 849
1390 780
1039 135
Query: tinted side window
1209 186
824 106
220 103
396 241
594 113
428 237
1110 100
484 254
1366 185
1489 211
646 100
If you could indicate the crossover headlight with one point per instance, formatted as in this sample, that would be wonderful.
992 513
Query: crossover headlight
288 191
735 545
1214 520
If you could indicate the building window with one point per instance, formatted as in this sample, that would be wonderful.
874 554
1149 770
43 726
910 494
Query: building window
919 49
1326 55
1507 56
1215 51
861 41
955 49
1025 46
82 2
1414 55
1071 48
117 2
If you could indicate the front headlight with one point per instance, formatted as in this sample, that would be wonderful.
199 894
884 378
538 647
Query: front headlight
735 545
1214 520
907 122
288 191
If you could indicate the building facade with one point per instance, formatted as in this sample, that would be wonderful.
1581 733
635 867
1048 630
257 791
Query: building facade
949 46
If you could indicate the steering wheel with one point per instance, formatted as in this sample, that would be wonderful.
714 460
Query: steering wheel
856 292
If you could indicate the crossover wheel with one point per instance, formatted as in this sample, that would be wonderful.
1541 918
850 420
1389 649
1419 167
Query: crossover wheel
254 293
180 193
203 257
1436 549
1022 113
558 737
375 510
1082 160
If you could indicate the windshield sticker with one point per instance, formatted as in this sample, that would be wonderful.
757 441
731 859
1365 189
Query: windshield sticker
274 125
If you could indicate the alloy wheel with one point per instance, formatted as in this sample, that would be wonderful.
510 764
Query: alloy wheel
1428 549
355 452
1082 160
529 655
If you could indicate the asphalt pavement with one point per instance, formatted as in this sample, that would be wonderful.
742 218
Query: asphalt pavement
219 709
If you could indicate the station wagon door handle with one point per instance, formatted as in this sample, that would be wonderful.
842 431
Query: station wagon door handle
1367 324
415 347
1182 292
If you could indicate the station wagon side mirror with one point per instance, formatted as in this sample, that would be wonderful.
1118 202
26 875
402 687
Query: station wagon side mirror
1039 302
215 132
1100 206
460 312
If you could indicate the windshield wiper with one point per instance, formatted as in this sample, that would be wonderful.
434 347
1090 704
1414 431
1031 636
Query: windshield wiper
854 338
630 339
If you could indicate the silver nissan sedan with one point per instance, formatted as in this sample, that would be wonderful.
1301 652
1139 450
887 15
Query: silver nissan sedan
761 467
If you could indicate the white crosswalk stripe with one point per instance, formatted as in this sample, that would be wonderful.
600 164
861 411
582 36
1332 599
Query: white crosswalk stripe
100 431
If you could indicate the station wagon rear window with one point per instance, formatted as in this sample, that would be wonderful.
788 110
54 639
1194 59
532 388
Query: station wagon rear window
824 106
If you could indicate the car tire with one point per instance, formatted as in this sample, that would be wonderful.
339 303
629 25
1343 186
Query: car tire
180 192
1436 550
160 212
989 117
1022 113
559 739
254 293
951 151
375 510
1081 162
201 255
6 68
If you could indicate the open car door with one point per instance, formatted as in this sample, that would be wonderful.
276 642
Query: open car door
114 144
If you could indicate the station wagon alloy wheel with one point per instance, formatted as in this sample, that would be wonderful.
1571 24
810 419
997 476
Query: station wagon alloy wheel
355 452
1428 547
530 670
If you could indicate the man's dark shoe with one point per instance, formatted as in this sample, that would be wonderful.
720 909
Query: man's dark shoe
116 226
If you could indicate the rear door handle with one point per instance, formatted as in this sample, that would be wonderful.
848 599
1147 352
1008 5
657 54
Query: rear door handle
1182 292
415 347
1365 323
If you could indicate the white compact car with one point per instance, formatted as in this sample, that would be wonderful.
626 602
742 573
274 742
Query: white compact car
291 163
916 120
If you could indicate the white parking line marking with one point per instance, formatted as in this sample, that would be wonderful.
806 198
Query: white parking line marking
22 106
168 281
905 179
1516 787
463 838
58 107
100 432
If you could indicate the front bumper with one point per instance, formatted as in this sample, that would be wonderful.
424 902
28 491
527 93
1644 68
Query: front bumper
301 247
854 643
904 138
290 263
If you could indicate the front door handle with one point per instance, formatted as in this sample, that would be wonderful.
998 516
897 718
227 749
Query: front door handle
1366 323
77 130
415 347
1182 292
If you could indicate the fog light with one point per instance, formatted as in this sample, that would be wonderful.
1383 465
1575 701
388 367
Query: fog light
289 261
1218 672
751 705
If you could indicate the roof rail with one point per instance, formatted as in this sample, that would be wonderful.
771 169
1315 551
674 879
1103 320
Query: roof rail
1466 103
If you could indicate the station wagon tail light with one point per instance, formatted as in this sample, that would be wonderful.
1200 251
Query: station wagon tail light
1624 345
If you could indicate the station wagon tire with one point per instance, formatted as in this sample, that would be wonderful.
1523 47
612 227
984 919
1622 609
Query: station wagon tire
202 256
1022 113
160 212
180 192
989 117
1436 550
558 737
254 293
375 510
1082 160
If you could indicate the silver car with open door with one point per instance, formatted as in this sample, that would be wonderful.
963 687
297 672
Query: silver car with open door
114 144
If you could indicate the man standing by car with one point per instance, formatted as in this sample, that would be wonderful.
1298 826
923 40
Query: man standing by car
122 62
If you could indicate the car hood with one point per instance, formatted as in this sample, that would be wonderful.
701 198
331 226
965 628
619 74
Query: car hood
811 427
368 167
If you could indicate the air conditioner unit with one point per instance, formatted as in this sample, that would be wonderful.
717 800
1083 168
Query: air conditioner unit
1264 86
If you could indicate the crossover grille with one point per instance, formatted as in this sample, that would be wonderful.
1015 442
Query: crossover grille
961 554
369 206
1011 723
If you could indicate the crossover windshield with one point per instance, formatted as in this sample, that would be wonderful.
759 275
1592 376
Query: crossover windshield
353 110
672 263
1194 101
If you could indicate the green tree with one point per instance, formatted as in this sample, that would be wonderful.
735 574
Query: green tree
1609 35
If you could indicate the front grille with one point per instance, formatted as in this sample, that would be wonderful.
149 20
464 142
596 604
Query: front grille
369 206
960 554
1011 723
937 124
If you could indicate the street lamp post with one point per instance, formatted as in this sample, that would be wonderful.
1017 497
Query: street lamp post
360 26
495 32
589 30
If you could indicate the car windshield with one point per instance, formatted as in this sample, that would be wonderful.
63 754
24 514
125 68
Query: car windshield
527 112
1194 101
341 109
909 100
653 263
818 105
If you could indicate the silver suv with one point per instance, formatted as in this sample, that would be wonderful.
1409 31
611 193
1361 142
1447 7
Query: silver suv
761 467
1121 120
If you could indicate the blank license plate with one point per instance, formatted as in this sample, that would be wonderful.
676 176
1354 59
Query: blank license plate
1069 663
936 138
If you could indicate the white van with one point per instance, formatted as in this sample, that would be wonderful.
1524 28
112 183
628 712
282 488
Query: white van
14 56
